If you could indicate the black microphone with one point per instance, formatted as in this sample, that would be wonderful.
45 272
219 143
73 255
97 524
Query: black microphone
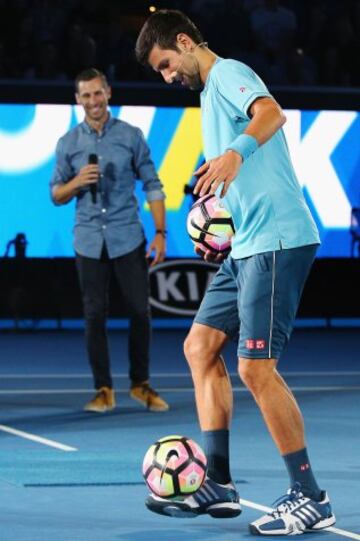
93 159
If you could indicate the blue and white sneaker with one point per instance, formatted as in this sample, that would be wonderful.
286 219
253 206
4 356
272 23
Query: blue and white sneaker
295 514
219 501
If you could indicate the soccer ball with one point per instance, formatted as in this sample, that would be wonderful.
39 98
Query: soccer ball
210 225
174 466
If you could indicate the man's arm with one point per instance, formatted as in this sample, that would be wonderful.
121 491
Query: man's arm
267 119
157 209
63 193
158 244
64 185
145 170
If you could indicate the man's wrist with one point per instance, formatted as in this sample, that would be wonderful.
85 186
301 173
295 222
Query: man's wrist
162 232
236 154
245 145
76 184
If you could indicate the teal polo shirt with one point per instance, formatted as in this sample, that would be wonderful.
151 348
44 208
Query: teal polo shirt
265 199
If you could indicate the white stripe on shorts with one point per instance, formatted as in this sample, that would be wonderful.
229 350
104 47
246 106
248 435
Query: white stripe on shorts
272 303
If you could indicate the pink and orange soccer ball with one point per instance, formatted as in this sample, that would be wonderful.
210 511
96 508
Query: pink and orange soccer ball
174 466
210 225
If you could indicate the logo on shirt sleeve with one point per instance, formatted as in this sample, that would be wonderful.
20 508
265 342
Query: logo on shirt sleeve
242 89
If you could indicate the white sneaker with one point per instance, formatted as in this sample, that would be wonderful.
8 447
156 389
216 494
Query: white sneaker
218 501
295 514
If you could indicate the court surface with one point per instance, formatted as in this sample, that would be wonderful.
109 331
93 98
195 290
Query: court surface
68 475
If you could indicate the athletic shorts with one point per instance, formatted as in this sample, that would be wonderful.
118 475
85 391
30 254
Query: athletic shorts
254 300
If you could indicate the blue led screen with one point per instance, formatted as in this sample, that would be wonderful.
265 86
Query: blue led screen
324 146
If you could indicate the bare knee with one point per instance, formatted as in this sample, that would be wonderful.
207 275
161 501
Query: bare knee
197 352
256 373
202 347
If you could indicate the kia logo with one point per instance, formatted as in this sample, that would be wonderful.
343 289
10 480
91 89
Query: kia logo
177 286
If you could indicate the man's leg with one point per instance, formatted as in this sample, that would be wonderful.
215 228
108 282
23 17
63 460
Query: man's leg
213 392
271 288
276 402
213 395
131 272
217 497
281 414
305 506
216 320
94 281
283 419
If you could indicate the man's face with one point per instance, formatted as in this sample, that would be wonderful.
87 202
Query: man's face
178 66
94 96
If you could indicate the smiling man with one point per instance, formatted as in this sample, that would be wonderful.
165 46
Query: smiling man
256 292
98 163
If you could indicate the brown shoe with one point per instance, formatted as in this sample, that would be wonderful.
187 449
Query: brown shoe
143 393
104 400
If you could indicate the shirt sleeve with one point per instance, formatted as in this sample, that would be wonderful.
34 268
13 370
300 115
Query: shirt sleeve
63 171
145 169
239 85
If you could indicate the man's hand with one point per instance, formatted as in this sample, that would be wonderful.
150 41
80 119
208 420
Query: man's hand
158 245
219 170
211 257
89 174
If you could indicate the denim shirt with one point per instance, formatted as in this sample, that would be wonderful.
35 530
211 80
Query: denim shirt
123 157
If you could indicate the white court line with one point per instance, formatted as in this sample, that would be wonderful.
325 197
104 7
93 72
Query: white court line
338 531
174 390
173 375
344 533
37 439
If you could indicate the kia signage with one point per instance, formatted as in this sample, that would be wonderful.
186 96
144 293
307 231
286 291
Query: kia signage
177 286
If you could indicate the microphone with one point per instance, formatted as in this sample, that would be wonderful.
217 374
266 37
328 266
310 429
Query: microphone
93 159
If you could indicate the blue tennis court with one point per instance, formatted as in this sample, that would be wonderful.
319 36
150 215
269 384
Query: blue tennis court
69 475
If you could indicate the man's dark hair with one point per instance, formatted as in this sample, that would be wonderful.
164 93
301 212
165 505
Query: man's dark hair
88 75
161 29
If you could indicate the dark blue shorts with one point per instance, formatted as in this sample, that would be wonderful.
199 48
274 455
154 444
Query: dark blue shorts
254 300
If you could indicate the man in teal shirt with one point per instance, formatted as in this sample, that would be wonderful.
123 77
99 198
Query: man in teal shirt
256 292
266 201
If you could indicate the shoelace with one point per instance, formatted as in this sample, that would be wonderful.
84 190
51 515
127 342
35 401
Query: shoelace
290 501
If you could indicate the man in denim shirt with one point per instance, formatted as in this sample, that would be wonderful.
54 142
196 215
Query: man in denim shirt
98 162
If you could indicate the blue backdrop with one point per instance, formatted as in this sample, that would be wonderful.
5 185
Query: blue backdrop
324 146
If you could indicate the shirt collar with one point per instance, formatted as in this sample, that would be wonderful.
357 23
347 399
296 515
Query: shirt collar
110 121
217 60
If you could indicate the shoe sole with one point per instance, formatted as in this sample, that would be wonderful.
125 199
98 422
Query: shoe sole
254 531
224 510
321 525
144 404
97 410
215 511
158 409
